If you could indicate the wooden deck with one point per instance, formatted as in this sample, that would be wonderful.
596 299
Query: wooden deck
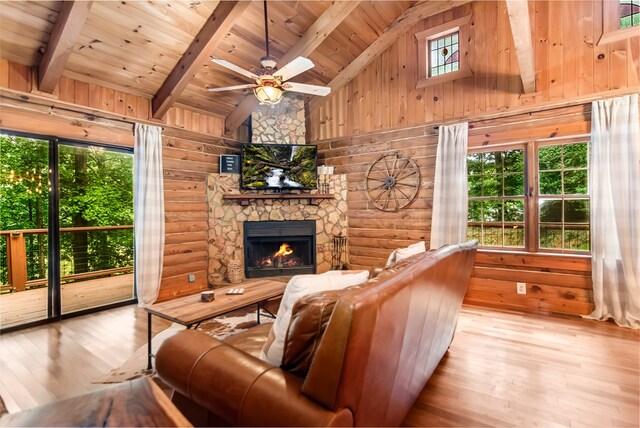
31 305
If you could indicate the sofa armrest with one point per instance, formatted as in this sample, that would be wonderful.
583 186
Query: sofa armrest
236 387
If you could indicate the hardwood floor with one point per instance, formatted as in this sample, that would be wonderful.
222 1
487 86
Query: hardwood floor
503 368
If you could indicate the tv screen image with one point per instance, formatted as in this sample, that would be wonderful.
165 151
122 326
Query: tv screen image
279 166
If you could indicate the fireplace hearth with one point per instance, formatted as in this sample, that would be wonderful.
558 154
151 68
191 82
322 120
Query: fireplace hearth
274 248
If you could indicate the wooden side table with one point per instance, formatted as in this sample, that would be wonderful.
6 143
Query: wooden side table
135 403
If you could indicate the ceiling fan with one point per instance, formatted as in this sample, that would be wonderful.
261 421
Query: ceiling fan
270 83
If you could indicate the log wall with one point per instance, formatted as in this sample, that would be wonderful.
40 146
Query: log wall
192 143
568 64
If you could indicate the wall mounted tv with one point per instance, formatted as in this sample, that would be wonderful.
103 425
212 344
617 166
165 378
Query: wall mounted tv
279 166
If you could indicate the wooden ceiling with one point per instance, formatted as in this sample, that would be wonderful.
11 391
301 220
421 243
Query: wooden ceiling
135 45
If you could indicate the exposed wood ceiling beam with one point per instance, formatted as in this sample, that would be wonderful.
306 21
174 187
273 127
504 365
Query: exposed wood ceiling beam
521 31
397 28
309 42
197 54
64 35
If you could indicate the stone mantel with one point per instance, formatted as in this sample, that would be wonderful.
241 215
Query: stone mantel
226 218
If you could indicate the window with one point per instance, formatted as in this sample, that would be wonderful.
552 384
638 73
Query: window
552 216
444 55
442 52
629 13
620 20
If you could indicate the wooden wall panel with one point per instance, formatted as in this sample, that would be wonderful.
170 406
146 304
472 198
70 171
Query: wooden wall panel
568 66
192 143
555 283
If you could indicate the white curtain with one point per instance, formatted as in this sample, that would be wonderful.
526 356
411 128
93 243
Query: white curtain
148 206
614 183
450 193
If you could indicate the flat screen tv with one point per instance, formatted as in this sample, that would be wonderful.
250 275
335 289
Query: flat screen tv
279 166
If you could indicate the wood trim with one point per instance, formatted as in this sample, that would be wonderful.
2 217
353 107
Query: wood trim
447 77
209 37
393 32
442 29
611 31
66 30
521 32
310 40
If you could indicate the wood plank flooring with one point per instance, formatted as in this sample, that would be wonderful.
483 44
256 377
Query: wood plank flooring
503 368
31 305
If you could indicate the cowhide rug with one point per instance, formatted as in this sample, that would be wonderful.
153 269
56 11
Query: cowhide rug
219 328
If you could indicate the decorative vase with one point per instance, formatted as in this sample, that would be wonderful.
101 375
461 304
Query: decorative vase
234 270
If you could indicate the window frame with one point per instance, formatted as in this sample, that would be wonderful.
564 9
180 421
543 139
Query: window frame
460 25
532 194
611 31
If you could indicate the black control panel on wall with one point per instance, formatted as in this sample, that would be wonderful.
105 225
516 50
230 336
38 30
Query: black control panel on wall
230 164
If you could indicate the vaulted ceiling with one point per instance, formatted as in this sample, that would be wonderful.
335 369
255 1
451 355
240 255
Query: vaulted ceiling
135 45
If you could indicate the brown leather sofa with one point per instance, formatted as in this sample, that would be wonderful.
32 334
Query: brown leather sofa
381 343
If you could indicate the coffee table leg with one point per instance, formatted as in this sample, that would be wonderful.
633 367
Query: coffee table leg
149 366
258 312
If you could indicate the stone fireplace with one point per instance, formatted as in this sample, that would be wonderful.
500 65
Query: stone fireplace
227 219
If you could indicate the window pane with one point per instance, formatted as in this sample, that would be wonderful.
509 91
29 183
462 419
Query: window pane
575 182
492 185
551 236
629 13
474 232
492 235
475 211
514 236
514 185
575 155
493 162
475 185
576 237
513 160
514 210
576 211
492 211
550 157
551 183
550 211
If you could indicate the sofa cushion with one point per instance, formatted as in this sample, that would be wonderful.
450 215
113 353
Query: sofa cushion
402 253
309 319
299 286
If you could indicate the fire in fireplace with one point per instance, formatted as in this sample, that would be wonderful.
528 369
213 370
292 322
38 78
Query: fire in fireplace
275 248
284 257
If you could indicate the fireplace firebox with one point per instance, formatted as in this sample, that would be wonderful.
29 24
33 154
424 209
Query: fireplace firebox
273 248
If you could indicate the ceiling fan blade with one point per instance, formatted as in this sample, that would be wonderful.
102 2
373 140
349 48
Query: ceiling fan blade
295 67
231 88
307 89
234 67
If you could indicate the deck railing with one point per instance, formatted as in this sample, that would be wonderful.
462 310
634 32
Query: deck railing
25 263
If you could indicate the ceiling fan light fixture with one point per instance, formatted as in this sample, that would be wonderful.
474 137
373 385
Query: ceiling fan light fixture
269 95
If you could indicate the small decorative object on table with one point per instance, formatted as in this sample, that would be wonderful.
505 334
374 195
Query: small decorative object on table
236 291
207 296
234 270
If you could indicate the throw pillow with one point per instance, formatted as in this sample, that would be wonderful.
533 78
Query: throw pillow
403 253
299 286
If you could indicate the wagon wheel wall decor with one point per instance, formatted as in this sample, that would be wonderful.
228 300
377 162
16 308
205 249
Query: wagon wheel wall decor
392 182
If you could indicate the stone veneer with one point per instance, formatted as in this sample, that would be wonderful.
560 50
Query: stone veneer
226 218
280 124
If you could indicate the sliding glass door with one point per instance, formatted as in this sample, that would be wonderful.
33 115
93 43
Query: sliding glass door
66 228
96 226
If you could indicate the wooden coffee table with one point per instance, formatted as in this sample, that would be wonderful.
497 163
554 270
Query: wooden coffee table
137 403
190 311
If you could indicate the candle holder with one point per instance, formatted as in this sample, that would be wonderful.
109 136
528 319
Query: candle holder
324 176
